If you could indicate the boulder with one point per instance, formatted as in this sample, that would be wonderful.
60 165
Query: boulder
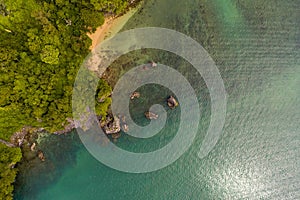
172 102
113 127
135 95
151 115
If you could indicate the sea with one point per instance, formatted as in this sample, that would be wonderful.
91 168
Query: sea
255 45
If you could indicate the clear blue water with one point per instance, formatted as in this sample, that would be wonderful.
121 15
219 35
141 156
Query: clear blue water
255 45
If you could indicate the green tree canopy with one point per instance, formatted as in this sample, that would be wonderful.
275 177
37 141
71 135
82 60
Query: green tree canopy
42 45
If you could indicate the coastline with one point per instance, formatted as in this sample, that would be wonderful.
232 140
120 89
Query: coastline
27 138
23 141
111 26
255 158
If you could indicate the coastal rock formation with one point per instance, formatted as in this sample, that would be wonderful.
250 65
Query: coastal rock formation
151 115
20 137
153 64
113 127
172 102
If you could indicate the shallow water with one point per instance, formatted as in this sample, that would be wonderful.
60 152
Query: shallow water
255 45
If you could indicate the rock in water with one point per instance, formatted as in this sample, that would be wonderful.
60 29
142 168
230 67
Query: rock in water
113 127
135 95
41 155
153 64
172 102
151 115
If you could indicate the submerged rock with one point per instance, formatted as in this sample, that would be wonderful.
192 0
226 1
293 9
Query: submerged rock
113 127
116 135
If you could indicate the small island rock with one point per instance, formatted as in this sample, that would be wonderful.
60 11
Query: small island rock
172 102
113 127
135 95
151 115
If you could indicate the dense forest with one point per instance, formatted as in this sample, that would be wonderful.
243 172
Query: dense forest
42 45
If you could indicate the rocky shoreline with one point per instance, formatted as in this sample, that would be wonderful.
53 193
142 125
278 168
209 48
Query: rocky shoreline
111 125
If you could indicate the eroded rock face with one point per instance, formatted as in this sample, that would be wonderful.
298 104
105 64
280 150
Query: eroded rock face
113 127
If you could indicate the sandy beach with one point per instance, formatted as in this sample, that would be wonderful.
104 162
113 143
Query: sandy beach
110 27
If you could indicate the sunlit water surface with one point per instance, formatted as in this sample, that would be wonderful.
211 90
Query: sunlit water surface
255 44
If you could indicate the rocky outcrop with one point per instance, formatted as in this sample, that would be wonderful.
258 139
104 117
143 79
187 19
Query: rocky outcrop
153 64
172 102
113 126
151 115
135 95
20 137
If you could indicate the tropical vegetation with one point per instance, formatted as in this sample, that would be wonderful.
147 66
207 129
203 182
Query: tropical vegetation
42 45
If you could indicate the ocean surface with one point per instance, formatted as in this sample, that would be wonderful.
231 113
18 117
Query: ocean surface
256 47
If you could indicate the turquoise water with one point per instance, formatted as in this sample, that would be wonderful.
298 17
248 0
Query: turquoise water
255 45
